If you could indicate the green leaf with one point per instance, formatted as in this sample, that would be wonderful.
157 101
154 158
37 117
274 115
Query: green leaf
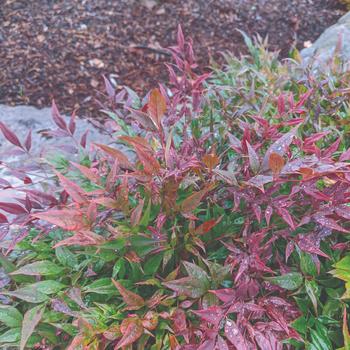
346 333
188 286
10 316
307 265
31 319
11 336
300 324
119 269
312 290
29 295
47 287
152 264
116 244
142 245
101 286
196 272
39 268
146 216
66 257
320 339
289 281
7 264
218 273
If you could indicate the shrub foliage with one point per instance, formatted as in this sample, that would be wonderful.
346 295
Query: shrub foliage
223 226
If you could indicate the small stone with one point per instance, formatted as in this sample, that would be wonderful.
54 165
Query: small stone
94 83
149 3
41 38
96 63
307 43
161 11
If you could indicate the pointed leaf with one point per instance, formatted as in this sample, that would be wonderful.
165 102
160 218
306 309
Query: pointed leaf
57 118
10 135
156 106
39 268
276 163
30 320
289 281
254 161
280 146
10 316
68 219
132 300
132 330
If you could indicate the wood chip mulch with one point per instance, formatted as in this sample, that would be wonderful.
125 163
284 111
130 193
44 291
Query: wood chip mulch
61 48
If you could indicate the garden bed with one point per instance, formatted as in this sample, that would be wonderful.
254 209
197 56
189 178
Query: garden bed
60 49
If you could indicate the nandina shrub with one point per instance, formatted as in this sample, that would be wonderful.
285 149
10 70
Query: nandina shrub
216 231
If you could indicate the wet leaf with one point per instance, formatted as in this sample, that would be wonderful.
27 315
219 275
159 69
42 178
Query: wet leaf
10 316
30 320
276 163
39 268
156 106
132 300
132 330
289 281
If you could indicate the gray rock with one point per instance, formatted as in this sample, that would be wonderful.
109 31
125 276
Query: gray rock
22 118
323 49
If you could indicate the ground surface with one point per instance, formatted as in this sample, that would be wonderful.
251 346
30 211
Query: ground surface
61 48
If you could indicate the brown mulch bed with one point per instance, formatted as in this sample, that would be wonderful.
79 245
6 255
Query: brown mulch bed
60 48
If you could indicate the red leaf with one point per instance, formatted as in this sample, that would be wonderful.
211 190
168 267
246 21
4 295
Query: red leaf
345 156
221 344
281 105
107 202
286 217
13 208
116 154
207 226
28 141
259 181
68 219
343 211
83 139
109 88
307 245
276 163
150 164
193 201
136 213
156 107
234 335
3 219
180 38
253 158
268 213
82 238
280 146
10 136
328 222
331 149
226 295
77 194
88 173
57 118
132 300
72 125
132 330
212 314
41 197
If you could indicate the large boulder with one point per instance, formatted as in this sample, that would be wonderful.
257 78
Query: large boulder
336 37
